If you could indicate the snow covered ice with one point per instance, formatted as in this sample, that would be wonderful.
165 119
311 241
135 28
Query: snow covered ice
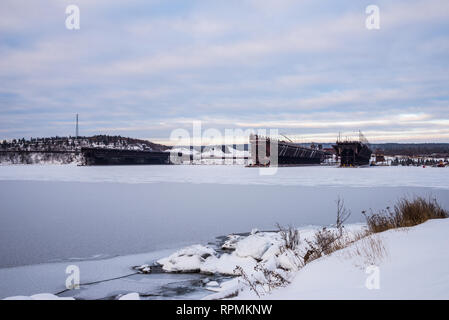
220 174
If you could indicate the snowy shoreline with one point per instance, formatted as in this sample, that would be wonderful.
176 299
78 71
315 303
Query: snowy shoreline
413 266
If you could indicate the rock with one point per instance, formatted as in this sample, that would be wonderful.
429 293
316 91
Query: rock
253 246
188 259
227 263
231 242
183 264
145 268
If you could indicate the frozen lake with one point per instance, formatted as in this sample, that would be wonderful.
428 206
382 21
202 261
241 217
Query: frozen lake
220 174
66 213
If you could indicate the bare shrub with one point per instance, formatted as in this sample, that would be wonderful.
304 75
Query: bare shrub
343 214
252 284
272 278
321 243
326 241
265 283
367 247
406 213
290 238
419 210
381 221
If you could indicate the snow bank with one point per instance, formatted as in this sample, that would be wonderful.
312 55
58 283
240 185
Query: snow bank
130 296
287 260
416 266
226 290
39 296
50 296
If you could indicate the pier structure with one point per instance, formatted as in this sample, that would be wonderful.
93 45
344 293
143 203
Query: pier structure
353 152
288 152
105 156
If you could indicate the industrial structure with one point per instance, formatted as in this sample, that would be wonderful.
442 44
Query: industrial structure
77 128
105 156
353 152
287 153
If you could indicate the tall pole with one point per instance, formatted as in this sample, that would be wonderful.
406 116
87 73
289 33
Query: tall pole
77 132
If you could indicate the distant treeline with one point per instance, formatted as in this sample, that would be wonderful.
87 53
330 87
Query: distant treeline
76 143
413 149
21 157
414 162
65 150
405 149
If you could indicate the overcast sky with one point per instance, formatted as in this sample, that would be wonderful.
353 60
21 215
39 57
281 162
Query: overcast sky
142 68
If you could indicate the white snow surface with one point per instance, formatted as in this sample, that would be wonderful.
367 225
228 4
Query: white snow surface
39 296
300 176
130 296
415 266
50 296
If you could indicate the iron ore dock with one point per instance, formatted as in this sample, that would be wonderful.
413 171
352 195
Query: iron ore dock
265 151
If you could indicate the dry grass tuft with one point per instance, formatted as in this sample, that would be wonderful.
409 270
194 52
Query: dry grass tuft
406 213
371 250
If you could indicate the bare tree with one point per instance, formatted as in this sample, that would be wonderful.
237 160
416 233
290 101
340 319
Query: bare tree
343 214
